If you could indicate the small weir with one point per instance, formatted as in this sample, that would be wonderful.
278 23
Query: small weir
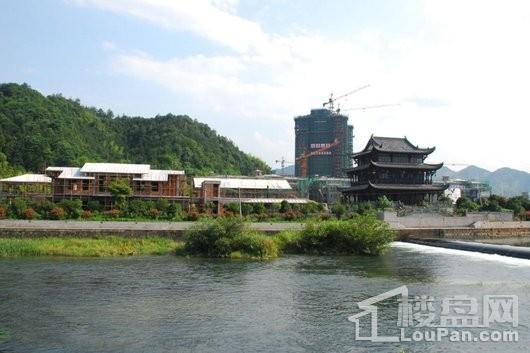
505 250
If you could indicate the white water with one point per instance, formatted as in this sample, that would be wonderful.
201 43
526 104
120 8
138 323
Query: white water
471 255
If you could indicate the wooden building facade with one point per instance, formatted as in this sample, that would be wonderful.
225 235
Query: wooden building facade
92 181
395 168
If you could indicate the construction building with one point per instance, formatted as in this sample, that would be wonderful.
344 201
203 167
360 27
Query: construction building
91 181
323 144
219 191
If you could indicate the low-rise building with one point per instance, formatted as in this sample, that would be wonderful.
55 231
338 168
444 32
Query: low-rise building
92 181
26 185
228 189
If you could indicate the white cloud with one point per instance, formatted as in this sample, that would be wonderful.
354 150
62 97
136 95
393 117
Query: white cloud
462 79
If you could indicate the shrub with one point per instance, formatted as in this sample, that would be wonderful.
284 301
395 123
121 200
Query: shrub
224 237
17 207
365 208
192 216
154 213
94 206
259 208
284 206
29 213
292 215
114 213
246 209
274 208
384 202
232 207
359 235
42 206
162 205
339 210
174 211
73 208
3 212
254 245
86 214
57 213
464 204
138 208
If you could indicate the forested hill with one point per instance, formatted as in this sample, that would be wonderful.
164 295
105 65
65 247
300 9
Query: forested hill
38 131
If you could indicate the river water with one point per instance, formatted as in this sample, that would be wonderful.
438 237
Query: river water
292 304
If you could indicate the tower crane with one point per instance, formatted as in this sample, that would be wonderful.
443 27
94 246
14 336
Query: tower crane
282 162
331 101
303 159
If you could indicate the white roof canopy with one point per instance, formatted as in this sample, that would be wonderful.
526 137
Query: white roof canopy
242 183
28 178
115 168
158 175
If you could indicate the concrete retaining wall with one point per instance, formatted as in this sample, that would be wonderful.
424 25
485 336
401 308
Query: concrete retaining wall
21 228
436 220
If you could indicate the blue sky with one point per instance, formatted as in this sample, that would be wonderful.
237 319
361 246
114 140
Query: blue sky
459 70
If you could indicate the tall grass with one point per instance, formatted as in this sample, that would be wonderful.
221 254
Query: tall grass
90 247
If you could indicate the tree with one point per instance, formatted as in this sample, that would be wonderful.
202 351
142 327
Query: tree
466 204
38 131
285 206
383 202
120 189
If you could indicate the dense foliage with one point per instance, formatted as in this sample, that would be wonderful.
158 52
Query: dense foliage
228 237
231 237
38 131
362 234
518 204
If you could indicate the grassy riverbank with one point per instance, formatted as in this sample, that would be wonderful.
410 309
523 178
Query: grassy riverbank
222 238
87 247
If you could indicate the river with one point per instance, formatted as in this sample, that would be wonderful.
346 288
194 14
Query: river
291 304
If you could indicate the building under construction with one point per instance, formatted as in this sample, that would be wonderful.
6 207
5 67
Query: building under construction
324 144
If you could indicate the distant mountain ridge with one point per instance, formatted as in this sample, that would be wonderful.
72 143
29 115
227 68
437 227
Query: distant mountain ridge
503 181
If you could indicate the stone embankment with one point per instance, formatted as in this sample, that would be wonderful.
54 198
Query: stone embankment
22 228
478 230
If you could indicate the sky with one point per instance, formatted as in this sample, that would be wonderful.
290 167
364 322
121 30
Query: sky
457 73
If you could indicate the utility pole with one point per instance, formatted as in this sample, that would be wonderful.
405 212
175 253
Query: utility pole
240 209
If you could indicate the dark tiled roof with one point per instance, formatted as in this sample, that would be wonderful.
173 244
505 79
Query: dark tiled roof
392 144
420 166
401 187
426 166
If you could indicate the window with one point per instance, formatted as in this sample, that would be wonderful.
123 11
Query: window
86 185
154 187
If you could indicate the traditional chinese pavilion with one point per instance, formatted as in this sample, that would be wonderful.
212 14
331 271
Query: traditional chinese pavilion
395 168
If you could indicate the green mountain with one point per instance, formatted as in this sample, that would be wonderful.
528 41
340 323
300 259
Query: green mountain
38 131
504 181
